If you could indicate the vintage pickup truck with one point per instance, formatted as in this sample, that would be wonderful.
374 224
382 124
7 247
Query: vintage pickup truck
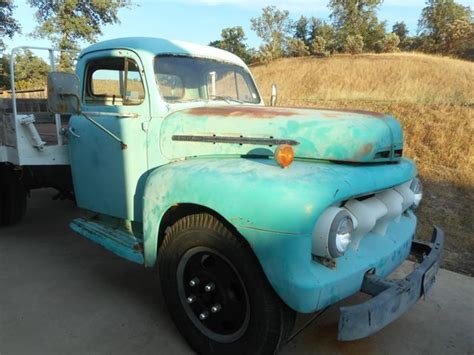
250 213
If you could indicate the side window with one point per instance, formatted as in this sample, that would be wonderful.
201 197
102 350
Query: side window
113 82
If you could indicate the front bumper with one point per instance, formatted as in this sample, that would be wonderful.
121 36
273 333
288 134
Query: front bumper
392 298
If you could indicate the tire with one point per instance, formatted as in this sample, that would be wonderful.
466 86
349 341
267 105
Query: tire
13 196
251 319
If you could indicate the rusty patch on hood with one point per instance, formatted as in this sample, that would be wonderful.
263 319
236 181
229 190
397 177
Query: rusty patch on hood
363 151
332 113
232 111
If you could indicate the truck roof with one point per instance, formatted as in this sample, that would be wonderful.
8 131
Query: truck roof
160 46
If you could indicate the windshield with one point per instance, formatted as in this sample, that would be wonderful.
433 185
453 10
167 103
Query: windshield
184 79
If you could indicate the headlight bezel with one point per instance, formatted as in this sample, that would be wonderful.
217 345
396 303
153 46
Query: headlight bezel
328 230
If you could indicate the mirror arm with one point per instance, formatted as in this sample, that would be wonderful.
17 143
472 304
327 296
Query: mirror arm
78 100
98 125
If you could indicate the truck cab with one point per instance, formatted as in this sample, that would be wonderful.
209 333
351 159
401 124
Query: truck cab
250 213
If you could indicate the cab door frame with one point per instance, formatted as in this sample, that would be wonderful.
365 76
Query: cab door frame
107 176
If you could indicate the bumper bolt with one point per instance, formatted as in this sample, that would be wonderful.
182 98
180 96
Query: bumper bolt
194 282
209 287
216 308
204 315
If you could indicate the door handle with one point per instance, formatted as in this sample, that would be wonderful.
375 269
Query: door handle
71 131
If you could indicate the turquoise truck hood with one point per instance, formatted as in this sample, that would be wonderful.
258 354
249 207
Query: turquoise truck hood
336 135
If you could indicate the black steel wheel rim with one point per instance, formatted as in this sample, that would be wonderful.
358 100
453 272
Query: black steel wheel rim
213 294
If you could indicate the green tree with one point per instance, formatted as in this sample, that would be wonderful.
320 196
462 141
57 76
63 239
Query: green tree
459 38
354 44
436 17
273 27
296 47
31 71
233 40
357 18
4 72
301 28
318 47
321 29
8 25
67 22
401 30
390 43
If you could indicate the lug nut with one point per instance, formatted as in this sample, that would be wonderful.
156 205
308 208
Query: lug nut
191 299
209 287
204 315
194 282
216 308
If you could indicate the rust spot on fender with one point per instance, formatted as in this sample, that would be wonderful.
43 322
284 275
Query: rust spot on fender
232 111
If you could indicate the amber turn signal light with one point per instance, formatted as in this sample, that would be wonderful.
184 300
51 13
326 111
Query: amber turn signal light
284 155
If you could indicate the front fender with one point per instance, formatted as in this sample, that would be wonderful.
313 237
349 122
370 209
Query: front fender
258 195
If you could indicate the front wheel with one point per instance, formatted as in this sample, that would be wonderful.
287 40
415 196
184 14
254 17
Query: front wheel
216 291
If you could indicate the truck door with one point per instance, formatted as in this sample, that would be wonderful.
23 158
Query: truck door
107 175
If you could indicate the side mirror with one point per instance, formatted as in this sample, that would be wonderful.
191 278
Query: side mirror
63 93
273 99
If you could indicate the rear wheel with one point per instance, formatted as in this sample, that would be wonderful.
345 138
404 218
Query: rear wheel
216 292
13 196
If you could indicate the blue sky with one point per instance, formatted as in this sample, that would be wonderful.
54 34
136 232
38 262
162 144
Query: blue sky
201 21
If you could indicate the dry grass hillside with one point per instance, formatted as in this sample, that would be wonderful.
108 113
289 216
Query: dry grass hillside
433 97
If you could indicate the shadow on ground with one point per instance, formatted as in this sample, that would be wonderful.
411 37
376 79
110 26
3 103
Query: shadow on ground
61 294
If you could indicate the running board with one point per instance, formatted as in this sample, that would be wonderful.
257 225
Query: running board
118 241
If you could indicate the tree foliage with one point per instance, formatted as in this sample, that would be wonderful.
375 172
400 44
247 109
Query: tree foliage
324 30
296 47
318 47
233 40
459 38
31 71
435 22
8 25
67 22
357 18
302 30
354 44
390 43
273 27
401 30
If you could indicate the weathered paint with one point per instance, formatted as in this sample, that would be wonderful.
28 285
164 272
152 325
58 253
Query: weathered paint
107 178
116 240
352 137
242 111
274 209
281 208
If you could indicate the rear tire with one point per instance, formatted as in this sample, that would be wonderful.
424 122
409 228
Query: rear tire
13 196
251 318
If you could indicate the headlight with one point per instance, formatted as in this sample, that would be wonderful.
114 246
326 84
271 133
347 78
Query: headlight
417 190
340 234
332 233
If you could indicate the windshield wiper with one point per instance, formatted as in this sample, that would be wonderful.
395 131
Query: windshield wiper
227 99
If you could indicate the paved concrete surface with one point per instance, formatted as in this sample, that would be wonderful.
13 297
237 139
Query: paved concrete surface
61 294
